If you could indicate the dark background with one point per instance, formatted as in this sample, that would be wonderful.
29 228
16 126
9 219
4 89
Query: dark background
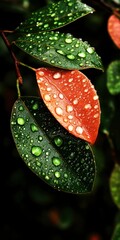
29 207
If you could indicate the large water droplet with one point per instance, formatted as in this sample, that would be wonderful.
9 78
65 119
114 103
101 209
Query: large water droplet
58 141
82 54
36 151
56 161
90 50
21 121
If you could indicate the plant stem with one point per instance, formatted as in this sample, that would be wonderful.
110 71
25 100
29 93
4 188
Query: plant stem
111 144
13 56
25 65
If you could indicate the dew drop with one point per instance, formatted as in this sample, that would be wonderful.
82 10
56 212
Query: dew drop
82 54
75 101
56 161
21 108
36 151
33 127
35 106
59 110
95 97
58 141
60 52
69 108
87 106
21 121
47 97
61 96
57 174
40 138
70 56
57 75
70 128
79 130
68 40
90 50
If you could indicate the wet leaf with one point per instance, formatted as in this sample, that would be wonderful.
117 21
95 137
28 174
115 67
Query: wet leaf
115 185
114 29
116 234
72 99
60 50
113 77
61 160
54 16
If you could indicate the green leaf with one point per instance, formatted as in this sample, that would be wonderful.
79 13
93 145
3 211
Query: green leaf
115 185
54 16
113 77
61 160
60 50
116 234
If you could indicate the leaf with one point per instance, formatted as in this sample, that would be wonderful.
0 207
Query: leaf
115 185
61 160
113 27
54 16
116 234
60 50
72 99
113 77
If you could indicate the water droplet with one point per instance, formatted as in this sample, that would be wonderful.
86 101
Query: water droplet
57 174
70 117
69 108
65 175
60 52
40 138
90 50
33 127
21 108
87 106
21 121
95 97
70 128
75 101
36 151
57 75
79 130
82 54
47 177
59 110
56 161
47 97
70 56
58 141
35 106
61 96
68 40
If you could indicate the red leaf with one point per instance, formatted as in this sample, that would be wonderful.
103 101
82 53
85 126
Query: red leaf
114 29
72 99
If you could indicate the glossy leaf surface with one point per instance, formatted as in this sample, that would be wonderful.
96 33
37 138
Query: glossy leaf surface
114 29
61 160
72 99
115 185
60 50
113 77
54 15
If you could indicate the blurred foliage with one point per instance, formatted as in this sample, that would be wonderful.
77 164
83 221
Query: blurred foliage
29 207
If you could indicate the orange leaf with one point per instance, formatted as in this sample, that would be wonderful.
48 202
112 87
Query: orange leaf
72 99
114 29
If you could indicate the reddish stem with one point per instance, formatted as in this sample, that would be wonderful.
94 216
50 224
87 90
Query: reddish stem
13 56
